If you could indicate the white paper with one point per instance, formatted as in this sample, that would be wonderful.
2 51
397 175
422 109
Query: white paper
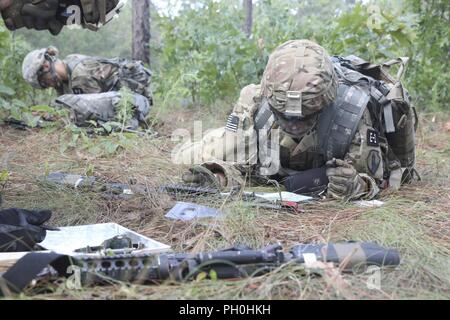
70 239
369 204
283 196
310 259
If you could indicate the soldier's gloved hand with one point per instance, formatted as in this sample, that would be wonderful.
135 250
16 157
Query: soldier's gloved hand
4 4
32 14
215 174
9 21
344 181
203 176
41 15
21 230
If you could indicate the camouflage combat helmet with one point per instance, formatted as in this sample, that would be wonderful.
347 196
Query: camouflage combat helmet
299 79
33 62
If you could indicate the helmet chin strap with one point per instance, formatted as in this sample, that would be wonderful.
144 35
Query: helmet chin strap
52 59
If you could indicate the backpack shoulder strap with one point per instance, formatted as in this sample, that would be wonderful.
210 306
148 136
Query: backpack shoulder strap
72 61
403 61
338 123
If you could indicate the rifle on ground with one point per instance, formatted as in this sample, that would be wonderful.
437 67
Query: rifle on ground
89 183
22 125
127 191
239 262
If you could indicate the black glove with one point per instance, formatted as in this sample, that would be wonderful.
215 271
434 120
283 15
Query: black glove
4 4
39 15
20 229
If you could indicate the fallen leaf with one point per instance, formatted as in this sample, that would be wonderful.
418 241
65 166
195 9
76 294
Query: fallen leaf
334 279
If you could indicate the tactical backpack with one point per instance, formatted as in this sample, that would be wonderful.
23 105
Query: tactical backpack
132 74
393 116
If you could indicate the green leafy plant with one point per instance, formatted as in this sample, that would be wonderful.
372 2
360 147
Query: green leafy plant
18 101
204 55
429 76
94 141
125 111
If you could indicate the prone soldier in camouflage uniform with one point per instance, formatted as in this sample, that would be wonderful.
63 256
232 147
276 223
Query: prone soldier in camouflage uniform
314 121
89 86
52 15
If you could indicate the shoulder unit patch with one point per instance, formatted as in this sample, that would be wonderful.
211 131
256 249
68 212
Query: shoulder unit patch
373 162
372 138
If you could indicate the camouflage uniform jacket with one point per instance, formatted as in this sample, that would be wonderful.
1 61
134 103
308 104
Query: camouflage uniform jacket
234 147
88 75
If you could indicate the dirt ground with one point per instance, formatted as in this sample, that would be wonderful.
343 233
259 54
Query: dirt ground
415 220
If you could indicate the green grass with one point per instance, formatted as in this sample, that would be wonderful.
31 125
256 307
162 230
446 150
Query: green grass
415 221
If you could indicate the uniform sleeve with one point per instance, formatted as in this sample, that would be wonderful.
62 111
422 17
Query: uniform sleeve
92 76
233 147
366 156
84 84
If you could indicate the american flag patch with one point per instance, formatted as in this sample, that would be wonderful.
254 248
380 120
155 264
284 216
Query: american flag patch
77 91
232 123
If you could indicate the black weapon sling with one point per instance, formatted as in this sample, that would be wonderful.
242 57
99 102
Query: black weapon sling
26 269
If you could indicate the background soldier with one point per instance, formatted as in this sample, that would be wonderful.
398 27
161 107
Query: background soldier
338 126
21 229
89 85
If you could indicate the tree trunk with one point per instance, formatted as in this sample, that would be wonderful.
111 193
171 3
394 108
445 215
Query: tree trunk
248 8
141 30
